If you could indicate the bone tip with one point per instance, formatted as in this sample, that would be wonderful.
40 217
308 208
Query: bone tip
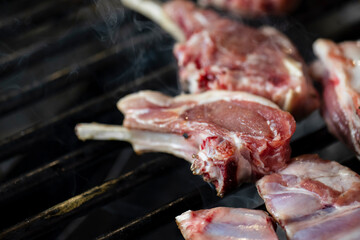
129 3
78 131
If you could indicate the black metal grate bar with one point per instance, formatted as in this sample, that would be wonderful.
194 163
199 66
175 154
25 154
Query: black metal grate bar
19 142
310 10
8 8
159 216
61 79
27 182
68 183
312 142
339 24
42 12
42 49
352 163
83 203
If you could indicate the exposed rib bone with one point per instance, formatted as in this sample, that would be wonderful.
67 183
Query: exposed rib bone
142 140
154 11
229 137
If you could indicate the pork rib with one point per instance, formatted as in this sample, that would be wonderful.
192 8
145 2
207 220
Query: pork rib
229 137
253 7
314 199
223 54
223 223
340 75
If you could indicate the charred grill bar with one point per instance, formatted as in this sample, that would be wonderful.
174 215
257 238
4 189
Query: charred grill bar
20 141
87 200
158 216
44 168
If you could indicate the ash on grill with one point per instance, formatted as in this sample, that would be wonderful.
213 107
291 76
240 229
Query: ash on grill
66 62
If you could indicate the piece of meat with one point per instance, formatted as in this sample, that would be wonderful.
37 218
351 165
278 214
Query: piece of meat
217 53
189 18
223 54
253 8
229 137
340 76
314 199
224 223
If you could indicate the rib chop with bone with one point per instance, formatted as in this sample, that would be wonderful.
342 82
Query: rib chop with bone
228 137
218 53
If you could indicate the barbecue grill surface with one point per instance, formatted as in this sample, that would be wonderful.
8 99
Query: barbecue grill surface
66 62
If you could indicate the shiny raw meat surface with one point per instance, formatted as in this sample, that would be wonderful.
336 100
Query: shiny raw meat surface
229 137
339 70
253 7
226 223
223 54
314 199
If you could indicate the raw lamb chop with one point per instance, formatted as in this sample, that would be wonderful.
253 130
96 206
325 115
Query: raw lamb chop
314 199
219 53
253 7
223 223
229 137
340 75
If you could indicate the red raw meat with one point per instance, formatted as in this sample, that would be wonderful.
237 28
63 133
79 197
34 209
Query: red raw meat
339 70
253 7
314 199
223 54
223 223
229 137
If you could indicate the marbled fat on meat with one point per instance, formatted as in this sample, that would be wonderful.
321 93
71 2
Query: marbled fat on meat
223 54
223 223
314 199
229 137
340 75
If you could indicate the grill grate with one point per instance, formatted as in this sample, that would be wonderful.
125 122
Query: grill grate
63 63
